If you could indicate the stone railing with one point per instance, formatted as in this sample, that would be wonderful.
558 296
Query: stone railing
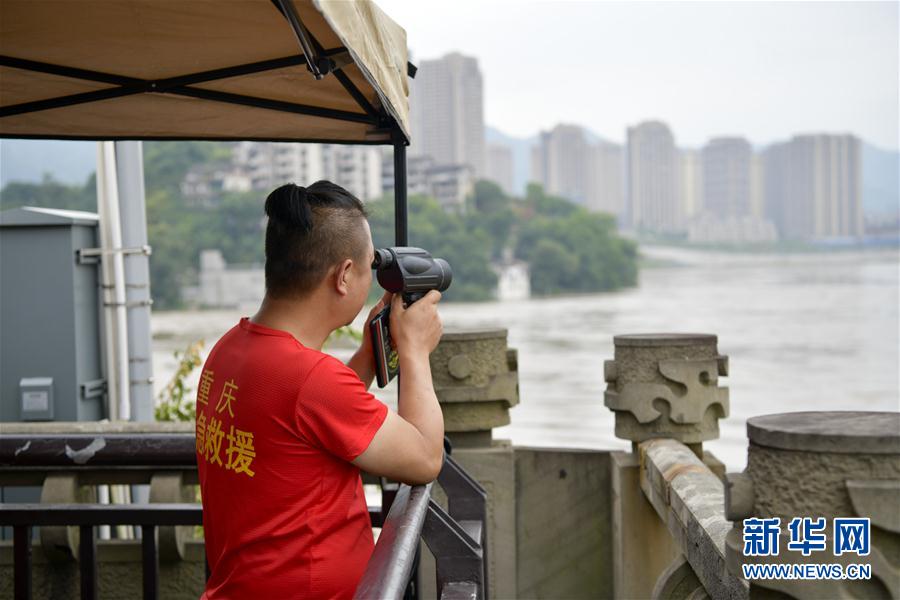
660 521
688 498
670 502
669 524
476 380
824 465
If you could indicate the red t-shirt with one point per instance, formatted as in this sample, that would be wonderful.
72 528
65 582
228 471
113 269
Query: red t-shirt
284 514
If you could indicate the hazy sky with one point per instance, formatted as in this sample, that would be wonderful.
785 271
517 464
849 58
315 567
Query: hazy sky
760 69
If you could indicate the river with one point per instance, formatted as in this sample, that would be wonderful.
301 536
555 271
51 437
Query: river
804 331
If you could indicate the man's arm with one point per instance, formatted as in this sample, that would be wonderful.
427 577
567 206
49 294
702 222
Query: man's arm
363 360
363 363
409 446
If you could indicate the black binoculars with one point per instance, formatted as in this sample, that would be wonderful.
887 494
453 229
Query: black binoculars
411 272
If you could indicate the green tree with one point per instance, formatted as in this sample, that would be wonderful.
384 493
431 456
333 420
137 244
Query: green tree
176 401
569 248
540 203
553 268
602 260
491 211
166 163
445 235
50 193
178 232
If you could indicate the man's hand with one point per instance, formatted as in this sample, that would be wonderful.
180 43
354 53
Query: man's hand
367 331
409 446
416 329
363 361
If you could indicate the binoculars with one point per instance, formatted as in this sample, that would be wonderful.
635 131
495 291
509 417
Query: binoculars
411 272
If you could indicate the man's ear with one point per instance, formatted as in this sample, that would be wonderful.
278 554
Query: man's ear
342 276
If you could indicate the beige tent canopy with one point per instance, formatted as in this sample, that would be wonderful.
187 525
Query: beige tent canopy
331 71
294 70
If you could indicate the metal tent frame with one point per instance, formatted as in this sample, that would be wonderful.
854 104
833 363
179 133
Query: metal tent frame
319 61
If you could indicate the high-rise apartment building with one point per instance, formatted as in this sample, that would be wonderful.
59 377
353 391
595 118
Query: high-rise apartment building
813 186
559 162
757 182
356 168
652 197
269 165
605 172
567 164
500 166
450 185
690 182
447 112
727 177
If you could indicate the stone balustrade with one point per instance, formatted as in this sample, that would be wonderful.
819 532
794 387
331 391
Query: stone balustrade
828 465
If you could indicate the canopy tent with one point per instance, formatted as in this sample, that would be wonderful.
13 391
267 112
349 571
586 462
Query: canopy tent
328 71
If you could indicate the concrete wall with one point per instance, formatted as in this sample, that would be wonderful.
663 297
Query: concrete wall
549 522
563 524
641 543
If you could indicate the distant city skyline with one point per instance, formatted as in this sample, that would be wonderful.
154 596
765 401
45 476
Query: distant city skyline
446 112
650 173
763 71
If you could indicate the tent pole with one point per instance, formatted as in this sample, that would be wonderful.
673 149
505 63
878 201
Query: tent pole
400 225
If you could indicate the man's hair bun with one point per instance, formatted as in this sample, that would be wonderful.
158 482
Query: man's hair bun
310 230
290 206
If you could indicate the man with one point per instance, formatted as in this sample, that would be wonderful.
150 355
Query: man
284 429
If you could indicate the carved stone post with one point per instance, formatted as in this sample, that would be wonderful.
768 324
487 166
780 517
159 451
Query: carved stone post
821 464
666 385
477 381
661 385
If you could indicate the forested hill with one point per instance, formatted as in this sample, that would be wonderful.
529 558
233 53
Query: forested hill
568 248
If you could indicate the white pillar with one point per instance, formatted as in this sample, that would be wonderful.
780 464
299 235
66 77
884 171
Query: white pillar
113 270
132 209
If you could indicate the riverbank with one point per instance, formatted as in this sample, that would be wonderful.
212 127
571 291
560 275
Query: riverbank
803 332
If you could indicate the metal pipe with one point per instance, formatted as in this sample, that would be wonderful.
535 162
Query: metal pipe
113 269
401 231
98 450
103 497
121 495
22 560
87 562
43 515
290 13
108 203
150 558
130 179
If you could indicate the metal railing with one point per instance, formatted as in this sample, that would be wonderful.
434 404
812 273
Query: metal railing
22 517
389 570
456 537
